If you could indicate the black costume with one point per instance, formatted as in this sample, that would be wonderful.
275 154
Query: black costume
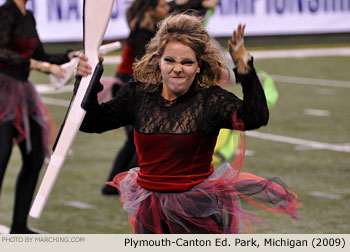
135 48
22 115
176 189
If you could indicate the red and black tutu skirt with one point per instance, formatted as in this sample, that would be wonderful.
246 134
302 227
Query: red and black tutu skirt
20 103
213 206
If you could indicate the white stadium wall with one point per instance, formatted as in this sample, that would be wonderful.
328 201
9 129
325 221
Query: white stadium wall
61 20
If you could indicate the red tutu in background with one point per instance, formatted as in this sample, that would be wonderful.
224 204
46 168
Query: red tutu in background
19 103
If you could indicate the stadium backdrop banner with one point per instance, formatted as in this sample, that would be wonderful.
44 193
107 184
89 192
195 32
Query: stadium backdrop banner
61 20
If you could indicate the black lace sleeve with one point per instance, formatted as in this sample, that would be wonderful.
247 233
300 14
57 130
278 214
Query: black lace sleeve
254 111
8 56
40 54
226 110
111 115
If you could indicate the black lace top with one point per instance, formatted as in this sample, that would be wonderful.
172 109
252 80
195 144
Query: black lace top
19 42
204 110
175 140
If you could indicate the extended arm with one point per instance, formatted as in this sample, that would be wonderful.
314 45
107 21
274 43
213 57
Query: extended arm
230 111
106 116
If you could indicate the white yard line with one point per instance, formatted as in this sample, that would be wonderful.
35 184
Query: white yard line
310 81
317 112
301 53
55 101
326 195
80 205
298 141
48 89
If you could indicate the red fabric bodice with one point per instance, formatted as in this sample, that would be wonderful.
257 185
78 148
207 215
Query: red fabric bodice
172 162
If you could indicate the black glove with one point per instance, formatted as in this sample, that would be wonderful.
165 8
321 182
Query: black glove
94 87
239 76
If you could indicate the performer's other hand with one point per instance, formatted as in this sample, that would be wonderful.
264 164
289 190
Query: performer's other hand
57 70
237 50
46 67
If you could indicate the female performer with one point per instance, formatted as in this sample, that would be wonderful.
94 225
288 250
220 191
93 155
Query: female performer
142 18
177 110
22 114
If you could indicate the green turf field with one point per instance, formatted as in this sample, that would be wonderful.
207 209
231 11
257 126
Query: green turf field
319 177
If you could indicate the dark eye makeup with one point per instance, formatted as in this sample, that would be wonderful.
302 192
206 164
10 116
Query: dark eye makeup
187 62
184 62
168 59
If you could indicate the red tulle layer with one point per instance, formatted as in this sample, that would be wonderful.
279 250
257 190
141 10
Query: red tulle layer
213 206
20 102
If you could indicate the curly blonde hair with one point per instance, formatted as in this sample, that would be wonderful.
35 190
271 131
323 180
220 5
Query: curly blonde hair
188 30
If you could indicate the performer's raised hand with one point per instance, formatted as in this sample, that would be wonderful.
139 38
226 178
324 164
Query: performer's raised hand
237 50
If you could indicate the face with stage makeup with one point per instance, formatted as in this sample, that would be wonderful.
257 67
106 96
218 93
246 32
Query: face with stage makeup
180 55
179 66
